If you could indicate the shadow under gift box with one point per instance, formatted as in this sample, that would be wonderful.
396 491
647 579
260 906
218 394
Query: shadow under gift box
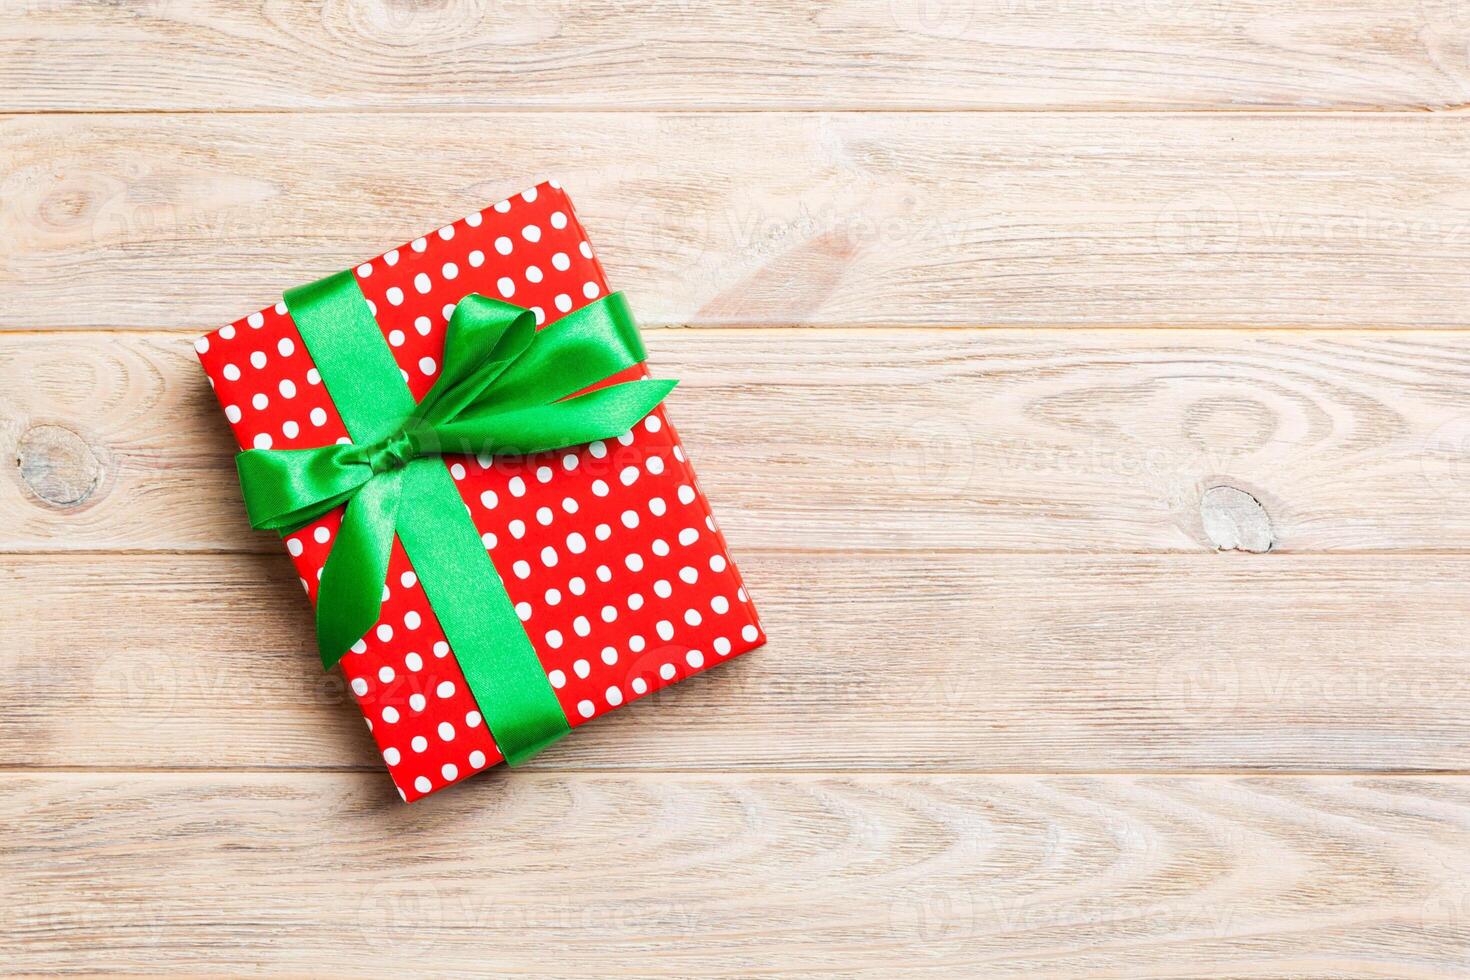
609 552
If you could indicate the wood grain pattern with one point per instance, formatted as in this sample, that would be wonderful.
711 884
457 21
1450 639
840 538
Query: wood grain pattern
882 219
681 875
657 54
1036 441
938 662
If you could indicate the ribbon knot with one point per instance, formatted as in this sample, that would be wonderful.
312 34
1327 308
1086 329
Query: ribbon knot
392 453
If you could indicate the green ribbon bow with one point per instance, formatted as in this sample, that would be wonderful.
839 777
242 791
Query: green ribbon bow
505 389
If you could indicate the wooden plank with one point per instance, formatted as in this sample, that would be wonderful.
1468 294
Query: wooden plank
765 218
932 662
962 54
684 875
1055 441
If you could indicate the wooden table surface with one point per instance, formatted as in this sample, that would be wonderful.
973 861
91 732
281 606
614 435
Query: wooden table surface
1083 386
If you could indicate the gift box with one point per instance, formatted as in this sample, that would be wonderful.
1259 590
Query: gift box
606 551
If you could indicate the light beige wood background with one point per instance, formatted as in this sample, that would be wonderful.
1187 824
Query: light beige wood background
1084 386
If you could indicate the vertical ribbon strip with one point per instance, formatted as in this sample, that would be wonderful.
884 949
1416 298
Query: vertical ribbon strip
505 389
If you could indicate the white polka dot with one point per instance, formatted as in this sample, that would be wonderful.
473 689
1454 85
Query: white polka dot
473 220
445 689
557 678
582 626
457 471
528 195
427 365
417 701
477 759
657 507
652 423
320 535
202 344
688 536
392 756
560 262
554 639
472 719
694 659
558 220
488 540
232 412
446 731
360 646
629 519
614 696
628 476
531 233
294 546
609 614
569 505
419 244
390 714
449 771
395 295
577 586
692 617
604 574
533 273
477 259
259 401
414 662
539 314
688 574
590 290
548 556
634 562
290 429
318 416
422 784
488 499
609 656
553 597
626 438
517 528
391 257
227 332
599 488
686 494
313 376
503 245
563 302
603 531
447 232
639 685
636 643
722 646
441 649
411 620
396 338
586 249
523 610
585 708
419 743
359 686
666 672
423 325
749 633
665 629
576 544
506 286
720 605
544 516
256 321
385 632
522 569
517 487
231 372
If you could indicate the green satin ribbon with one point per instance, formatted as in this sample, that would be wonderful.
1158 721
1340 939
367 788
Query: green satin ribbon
505 389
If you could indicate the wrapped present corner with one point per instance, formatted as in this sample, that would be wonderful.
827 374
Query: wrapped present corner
477 482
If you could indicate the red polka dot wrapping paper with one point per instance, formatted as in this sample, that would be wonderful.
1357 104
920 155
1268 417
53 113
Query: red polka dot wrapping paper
609 551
